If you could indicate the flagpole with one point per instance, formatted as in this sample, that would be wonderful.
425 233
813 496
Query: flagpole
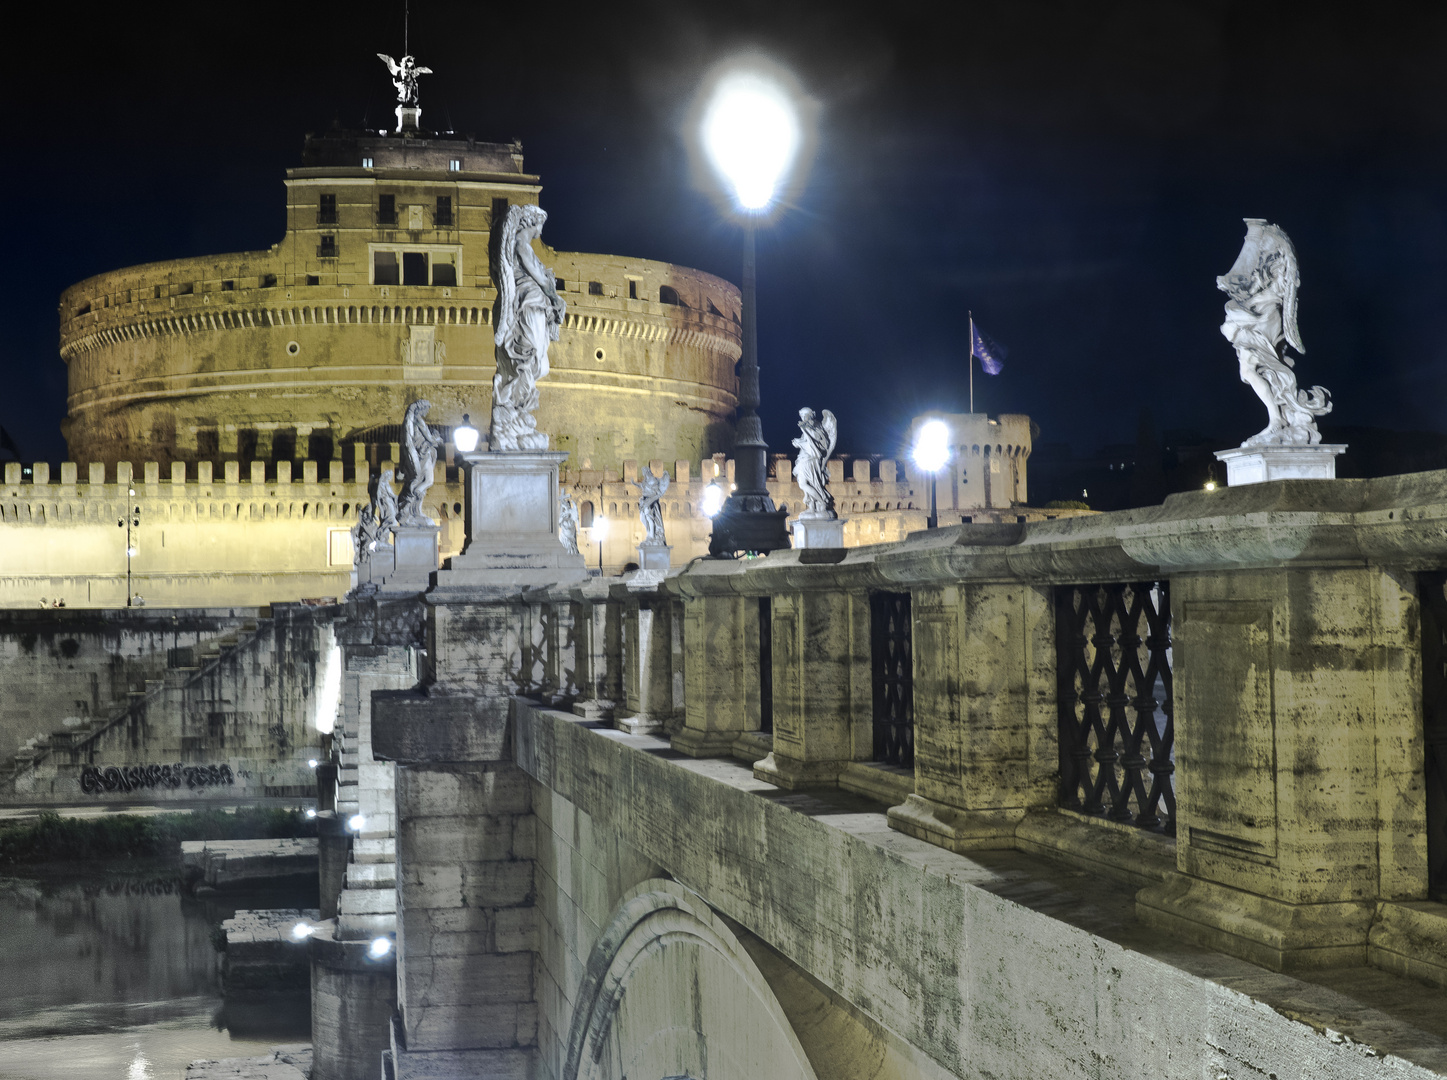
972 363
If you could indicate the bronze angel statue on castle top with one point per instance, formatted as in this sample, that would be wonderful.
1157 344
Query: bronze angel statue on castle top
404 77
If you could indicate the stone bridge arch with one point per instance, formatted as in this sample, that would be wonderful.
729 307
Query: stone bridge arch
670 992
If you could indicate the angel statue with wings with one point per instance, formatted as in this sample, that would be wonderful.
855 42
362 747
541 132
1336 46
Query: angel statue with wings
568 523
419 463
529 316
404 77
1260 320
651 489
815 443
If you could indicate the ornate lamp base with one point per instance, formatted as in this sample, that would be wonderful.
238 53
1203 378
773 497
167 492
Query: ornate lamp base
738 530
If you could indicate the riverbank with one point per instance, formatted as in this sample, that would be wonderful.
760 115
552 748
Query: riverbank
53 838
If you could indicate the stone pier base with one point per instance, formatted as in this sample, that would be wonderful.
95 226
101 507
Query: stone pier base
353 998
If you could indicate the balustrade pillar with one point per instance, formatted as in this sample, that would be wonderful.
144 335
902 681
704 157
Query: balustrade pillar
985 744
721 663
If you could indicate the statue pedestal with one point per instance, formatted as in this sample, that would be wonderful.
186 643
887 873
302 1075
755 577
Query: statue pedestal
1260 464
406 566
819 532
655 556
512 524
409 118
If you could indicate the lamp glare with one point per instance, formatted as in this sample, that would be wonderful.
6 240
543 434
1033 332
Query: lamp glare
751 133
301 931
932 446
465 436
713 499
381 947
600 529
355 822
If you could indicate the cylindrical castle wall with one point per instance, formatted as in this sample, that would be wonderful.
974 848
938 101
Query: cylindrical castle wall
205 359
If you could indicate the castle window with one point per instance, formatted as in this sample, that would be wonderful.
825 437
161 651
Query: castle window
454 165
558 284
268 281
384 268
585 514
228 286
185 289
386 209
632 289
667 294
313 279
414 268
156 294
595 288
327 249
366 163
327 210
444 271
443 216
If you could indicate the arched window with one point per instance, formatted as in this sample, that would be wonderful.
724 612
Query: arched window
585 514
667 294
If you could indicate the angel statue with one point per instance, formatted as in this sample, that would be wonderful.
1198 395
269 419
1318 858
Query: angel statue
404 77
815 443
649 511
1260 316
530 314
384 509
419 462
364 535
568 523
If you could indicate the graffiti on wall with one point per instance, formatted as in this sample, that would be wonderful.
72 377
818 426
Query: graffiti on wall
97 779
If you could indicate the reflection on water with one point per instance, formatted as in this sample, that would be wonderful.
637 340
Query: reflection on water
110 972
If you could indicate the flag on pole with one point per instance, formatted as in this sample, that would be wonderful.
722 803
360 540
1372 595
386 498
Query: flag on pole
991 353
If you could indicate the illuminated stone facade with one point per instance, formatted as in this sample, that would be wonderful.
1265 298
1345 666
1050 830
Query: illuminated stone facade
380 293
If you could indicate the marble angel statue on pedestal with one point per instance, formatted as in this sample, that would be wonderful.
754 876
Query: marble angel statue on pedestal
650 513
376 521
419 463
1260 320
811 471
530 315
568 523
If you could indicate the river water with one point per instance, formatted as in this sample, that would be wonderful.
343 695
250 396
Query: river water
107 972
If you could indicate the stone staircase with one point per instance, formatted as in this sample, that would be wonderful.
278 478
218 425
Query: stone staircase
185 667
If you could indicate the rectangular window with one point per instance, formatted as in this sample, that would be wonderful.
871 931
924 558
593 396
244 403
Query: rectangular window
632 289
386 209
443 216
185 289
327 249
327 210
228 286
366 163
595 288
268 281
384 268
443 271
454 165
414 268
313 279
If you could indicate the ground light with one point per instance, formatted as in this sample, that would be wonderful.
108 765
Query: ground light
311 812
931 451
380 947
301 931
355 822
311 763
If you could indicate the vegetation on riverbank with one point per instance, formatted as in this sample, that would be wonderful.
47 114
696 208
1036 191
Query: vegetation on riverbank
52 838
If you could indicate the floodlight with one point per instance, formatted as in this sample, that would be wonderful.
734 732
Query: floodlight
301 931
713 499
600 529
380 947
355 822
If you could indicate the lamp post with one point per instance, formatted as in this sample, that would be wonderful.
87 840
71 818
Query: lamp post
750 133
931 451
132 520
465 436
600 533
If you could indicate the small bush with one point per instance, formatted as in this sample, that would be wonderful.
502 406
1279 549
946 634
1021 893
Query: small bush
1066 504
52 838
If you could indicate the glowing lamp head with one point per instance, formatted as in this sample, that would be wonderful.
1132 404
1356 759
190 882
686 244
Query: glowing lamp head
465 436
932 446
311 812
600 529
380 947
751 134
355 822
713 499
301 931
311 763
1210 485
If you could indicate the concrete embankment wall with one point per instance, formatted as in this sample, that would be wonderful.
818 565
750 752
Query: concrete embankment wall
63 670
239 723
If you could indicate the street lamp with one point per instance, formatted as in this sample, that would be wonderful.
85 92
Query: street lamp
931 451
713 499
131 521
750 132
465 436
600 533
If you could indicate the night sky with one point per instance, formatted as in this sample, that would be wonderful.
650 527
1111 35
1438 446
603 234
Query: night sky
1074 173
